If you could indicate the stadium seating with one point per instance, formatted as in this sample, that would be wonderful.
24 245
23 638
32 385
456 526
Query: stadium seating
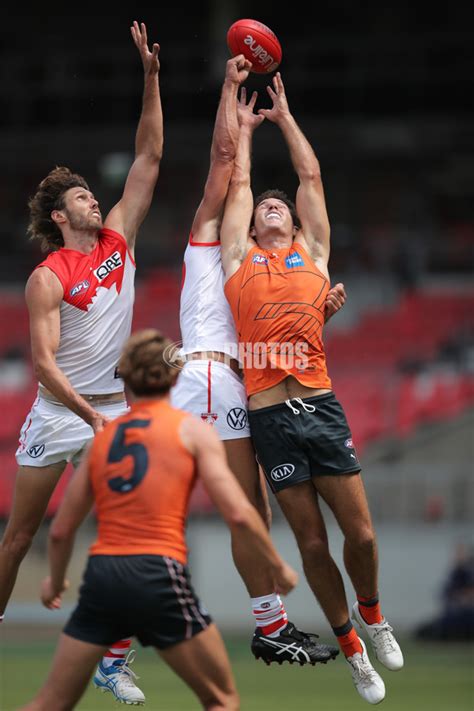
384 369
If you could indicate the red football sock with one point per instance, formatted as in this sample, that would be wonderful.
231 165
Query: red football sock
118 651
369 608
348 640
270 614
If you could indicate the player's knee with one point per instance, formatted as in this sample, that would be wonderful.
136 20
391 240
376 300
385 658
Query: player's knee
16 544
314 549
363 539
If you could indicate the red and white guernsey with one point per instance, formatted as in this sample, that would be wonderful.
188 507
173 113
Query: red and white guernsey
205 317
96 311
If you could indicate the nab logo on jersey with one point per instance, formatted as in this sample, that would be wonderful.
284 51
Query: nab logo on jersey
108 265
294 260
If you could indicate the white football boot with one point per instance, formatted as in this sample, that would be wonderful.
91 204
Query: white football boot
386 647
366 680
118 678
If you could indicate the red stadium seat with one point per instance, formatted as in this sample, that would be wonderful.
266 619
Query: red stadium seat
364 364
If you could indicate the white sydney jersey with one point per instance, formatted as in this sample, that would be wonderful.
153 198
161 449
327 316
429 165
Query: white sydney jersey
96 312
205 317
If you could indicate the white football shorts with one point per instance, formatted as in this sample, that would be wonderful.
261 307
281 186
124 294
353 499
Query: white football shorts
212 391
52 433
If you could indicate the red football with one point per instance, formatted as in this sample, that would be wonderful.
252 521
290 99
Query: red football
257 43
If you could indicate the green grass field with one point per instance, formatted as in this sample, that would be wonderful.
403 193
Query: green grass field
436 678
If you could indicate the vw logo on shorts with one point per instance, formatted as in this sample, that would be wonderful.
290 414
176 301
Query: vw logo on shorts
36 450
282 471
237 418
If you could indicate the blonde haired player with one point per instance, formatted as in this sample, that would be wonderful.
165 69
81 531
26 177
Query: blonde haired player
141 469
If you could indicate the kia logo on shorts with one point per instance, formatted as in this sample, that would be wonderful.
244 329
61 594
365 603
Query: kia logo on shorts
283 471
36 450
237 418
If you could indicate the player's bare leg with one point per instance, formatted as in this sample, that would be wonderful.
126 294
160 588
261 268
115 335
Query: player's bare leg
241 458
275 639
300 506
346 497
34 487
72 667
202 662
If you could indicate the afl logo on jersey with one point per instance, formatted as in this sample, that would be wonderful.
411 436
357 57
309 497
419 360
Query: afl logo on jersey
108 265
81 286
259 259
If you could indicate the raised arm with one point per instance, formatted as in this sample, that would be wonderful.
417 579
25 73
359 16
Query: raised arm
310 201
228 496
128 214
72 511
44 294
235 240
225 138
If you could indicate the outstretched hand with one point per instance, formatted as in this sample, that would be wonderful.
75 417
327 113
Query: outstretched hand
278 96
151 63
245 112
237 69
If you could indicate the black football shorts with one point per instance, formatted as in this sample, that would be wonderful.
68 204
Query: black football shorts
145 596
300 439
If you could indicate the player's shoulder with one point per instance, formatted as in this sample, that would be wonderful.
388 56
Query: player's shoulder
107 234
58 256
44 280
201 255
55 271
59 262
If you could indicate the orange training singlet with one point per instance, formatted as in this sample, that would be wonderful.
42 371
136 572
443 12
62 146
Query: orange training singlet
277 299
142 477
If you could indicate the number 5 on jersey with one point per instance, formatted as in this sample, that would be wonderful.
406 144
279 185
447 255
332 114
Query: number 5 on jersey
119 450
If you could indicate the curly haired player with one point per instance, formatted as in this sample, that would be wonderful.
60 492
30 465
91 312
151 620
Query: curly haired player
80 302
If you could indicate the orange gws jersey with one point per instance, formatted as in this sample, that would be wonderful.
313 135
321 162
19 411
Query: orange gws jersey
142 477
277 299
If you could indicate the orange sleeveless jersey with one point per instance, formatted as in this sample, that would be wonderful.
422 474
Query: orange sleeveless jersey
277 299
142 477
